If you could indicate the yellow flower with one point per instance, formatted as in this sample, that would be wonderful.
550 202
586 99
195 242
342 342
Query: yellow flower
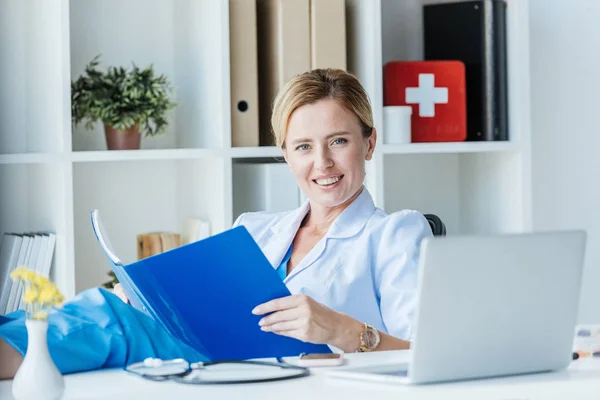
40 281
48 295
31 294
18 273
59 298
29 276
40 293
22 273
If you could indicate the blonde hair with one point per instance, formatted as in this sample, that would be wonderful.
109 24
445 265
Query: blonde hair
312 86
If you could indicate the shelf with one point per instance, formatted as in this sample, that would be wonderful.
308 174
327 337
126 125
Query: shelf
54 173
240 153
256 152
448 148
186 40
141 197
144 155
30 158
472 194
35 197
264 187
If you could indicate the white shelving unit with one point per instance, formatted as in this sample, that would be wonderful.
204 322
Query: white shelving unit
52 175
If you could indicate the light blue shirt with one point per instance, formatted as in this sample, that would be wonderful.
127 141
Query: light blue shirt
365 266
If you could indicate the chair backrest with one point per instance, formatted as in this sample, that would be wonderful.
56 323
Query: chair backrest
437 226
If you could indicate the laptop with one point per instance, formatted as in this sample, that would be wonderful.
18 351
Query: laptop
490 306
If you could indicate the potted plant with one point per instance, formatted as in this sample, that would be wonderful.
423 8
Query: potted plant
127 102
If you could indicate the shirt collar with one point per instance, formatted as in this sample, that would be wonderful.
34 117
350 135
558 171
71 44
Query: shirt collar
347 224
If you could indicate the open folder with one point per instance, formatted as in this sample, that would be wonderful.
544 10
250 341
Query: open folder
203 294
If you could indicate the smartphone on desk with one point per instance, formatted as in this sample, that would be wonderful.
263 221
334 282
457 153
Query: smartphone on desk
320 360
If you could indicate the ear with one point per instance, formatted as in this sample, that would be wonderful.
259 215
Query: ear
284 151
371 142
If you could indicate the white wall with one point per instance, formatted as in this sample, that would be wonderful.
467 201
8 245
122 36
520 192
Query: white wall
565 88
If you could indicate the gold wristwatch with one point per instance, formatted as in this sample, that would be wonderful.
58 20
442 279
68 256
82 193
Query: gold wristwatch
369 338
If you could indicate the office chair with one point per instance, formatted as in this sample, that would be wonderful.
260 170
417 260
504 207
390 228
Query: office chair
437 226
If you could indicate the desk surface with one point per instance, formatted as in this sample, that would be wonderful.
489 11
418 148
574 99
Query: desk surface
580 381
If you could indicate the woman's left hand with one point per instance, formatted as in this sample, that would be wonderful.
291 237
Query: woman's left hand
301 317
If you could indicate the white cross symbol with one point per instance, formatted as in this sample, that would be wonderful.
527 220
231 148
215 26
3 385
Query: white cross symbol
427 95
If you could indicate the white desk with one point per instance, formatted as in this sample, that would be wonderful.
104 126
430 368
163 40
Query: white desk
580 381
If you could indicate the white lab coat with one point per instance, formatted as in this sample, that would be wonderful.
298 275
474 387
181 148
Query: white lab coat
365 266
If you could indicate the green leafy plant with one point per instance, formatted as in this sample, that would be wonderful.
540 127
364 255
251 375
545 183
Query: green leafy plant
122 98
113 281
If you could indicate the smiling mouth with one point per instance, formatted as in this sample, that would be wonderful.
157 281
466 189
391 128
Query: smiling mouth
328 181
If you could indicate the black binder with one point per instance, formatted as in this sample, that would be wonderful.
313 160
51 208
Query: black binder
474 32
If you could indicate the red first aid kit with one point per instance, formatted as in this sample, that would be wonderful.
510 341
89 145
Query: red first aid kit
436 91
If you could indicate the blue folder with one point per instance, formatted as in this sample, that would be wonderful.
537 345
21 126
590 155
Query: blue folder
203 293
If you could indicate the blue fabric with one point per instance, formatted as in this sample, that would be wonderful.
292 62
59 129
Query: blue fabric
98 330
282 269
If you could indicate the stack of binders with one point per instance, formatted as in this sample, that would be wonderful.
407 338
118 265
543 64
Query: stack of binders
271 41
474 32
33 250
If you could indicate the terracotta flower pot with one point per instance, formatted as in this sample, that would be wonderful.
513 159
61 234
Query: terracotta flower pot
130 139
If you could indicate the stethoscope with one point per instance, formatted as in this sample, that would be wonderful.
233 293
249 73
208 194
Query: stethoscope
181 371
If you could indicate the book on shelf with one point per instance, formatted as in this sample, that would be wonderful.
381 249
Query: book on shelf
193 229
203 294
33 250
474 32
152 243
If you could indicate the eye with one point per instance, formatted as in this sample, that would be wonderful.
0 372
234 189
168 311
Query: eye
340 141
302 147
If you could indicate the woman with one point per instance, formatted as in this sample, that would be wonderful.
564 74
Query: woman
351 269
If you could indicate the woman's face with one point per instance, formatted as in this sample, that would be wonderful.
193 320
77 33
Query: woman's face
326 151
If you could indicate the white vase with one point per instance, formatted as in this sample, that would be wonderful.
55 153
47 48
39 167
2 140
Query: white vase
38 377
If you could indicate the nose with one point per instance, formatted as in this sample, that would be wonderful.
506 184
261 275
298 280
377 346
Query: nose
323 159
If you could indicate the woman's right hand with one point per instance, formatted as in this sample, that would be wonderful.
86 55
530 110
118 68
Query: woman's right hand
118 290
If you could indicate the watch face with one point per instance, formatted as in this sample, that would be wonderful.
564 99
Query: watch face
370 338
